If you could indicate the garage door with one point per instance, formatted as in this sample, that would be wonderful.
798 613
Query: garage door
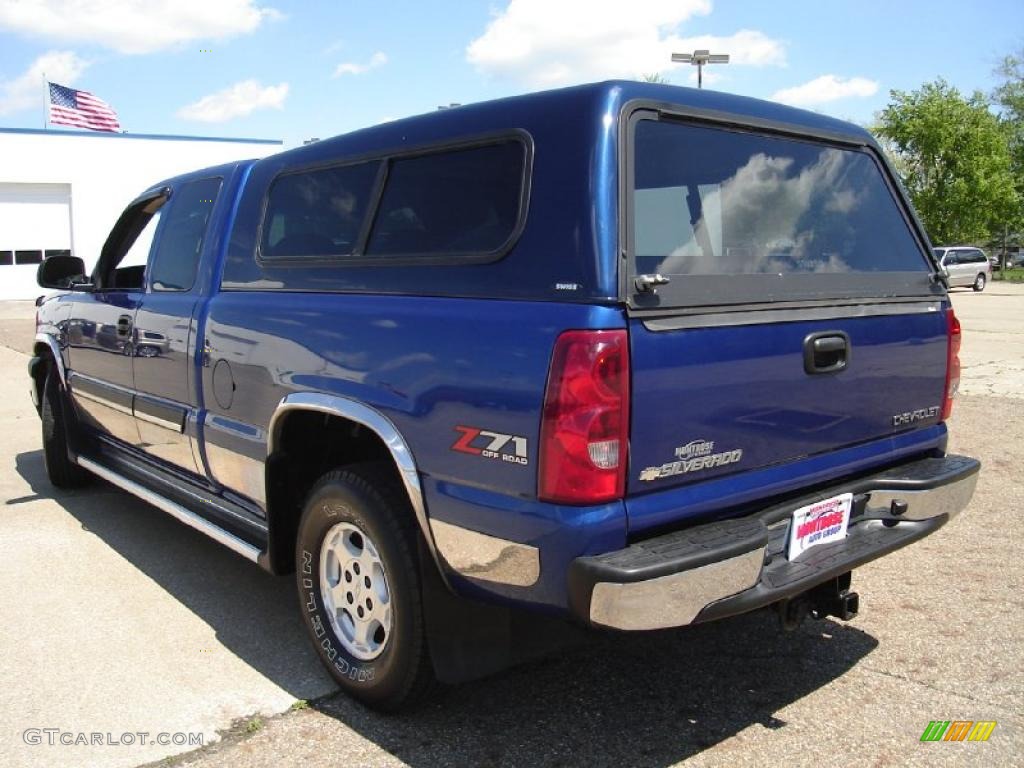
35 222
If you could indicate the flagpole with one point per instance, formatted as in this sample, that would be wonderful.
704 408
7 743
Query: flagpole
46 100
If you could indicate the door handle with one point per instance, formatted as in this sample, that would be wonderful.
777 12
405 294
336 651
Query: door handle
827 352
124 325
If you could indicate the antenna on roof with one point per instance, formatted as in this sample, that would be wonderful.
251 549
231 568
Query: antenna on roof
699 59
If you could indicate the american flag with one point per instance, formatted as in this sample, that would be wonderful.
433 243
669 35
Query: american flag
81 109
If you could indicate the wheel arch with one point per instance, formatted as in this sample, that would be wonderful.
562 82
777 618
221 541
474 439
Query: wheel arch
279 541
47 345
46 354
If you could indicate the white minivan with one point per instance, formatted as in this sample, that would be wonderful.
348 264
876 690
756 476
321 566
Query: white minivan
965 266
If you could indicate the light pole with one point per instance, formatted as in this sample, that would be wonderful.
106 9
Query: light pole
700 58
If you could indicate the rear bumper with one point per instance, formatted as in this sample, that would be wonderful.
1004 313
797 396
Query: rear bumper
729 567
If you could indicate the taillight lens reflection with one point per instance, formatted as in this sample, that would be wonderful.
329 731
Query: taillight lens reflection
952 363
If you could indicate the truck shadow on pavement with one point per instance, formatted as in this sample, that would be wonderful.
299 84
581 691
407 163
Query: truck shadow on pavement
254 614
618 700
622 700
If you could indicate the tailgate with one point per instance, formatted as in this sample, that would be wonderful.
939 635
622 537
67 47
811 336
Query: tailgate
782 304
714 400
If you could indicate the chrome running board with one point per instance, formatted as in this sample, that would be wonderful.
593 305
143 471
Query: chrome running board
187 516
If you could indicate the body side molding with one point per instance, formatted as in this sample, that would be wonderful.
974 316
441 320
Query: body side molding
479 556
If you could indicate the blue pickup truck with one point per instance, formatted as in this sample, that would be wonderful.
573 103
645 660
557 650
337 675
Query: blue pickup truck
634 355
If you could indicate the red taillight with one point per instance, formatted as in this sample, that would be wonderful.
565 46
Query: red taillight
585 425
952 364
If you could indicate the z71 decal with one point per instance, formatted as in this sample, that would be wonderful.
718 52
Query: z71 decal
492 445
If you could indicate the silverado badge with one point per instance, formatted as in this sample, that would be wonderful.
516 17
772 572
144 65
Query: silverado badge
695 456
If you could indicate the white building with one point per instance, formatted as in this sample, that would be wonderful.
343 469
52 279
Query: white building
62 191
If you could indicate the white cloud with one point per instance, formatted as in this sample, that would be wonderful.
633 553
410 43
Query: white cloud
824 89
789 191
133 26
334 47
379 59
544 43
237 100
26 91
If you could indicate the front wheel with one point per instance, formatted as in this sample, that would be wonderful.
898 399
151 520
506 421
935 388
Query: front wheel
359 590
979 283
62 472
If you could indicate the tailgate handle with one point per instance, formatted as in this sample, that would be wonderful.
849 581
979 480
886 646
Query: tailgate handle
827 352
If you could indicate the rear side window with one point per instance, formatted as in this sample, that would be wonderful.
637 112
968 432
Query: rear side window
317 213
457 203
782 218
462 201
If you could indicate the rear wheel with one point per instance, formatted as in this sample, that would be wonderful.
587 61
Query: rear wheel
63 472
358 583
979 282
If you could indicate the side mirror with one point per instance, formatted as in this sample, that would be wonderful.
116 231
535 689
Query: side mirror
65 273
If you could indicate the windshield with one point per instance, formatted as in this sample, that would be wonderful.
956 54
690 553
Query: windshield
716 203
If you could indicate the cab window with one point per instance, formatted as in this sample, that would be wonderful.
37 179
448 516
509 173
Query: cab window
175 260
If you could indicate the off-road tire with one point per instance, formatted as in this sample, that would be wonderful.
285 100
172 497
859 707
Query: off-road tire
367 498
62 472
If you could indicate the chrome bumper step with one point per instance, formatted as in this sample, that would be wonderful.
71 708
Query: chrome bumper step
728 567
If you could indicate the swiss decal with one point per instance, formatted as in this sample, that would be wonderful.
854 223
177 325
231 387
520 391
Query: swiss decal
492 445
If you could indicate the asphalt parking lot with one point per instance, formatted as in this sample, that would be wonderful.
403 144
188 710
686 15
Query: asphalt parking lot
119 620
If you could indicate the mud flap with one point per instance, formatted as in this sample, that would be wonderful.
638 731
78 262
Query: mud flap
469 639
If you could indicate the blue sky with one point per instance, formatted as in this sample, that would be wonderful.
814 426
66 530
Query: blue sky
292 70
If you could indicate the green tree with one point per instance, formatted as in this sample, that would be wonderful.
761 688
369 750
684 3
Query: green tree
654 77
954 159
1010 97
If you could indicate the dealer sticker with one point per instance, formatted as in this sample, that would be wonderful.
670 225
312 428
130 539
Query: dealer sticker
819 523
